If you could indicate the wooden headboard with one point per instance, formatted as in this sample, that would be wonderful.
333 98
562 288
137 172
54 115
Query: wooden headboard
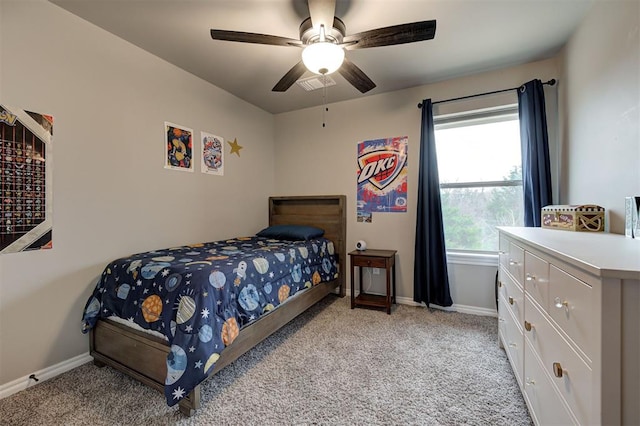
323 211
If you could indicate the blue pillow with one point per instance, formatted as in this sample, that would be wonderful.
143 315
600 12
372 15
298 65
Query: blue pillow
291 232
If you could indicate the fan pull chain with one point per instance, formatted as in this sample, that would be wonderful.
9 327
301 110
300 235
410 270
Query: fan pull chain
324 99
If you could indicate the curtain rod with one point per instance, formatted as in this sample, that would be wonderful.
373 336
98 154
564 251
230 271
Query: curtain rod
550 83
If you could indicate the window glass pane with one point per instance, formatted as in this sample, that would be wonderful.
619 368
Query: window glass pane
479 153
471 215
474 153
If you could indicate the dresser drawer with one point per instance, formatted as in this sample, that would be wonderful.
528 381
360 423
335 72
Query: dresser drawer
511 338
513 296
575 383
516 262
545 403
503 251
571 307
536 279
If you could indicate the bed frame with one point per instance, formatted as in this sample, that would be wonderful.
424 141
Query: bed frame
143 356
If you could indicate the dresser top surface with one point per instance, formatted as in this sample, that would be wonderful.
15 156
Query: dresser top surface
601 254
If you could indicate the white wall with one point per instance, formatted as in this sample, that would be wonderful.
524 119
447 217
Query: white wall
320 160
600 98
112 196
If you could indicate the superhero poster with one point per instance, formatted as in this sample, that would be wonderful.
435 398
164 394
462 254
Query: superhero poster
382 176
26 193
178 147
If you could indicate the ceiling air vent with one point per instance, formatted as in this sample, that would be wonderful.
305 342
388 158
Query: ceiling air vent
316 82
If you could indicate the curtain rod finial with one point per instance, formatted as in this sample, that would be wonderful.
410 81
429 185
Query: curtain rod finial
420 105
551 82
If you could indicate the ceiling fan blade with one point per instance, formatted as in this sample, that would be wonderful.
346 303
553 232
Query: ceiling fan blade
388 36
243 37
356 76
290 77
322 13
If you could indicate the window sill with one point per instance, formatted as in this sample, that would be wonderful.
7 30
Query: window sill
472 258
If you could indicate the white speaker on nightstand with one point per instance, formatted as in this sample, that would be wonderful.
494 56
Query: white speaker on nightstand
361 245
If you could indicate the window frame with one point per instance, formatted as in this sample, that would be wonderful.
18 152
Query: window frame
507 112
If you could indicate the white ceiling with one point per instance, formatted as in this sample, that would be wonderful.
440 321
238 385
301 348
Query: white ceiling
471 36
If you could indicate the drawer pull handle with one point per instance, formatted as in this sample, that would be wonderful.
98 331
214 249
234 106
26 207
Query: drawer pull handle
513 345
531 277
527 326
501 252
512 262
530 382
500 319
560 303
557 370
510 300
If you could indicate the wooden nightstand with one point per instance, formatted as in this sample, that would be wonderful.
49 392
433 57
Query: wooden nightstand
370 258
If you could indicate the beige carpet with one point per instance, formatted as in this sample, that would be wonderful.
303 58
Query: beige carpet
332 365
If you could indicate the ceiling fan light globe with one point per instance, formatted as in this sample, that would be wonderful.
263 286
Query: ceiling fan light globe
323 57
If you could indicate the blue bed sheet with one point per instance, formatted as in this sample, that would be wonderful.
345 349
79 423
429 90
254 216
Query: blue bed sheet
200 296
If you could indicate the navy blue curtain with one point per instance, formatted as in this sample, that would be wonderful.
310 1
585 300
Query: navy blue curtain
430 277
536 170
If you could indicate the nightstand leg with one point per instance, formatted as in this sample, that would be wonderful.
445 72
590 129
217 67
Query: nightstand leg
353 296
393 298
388 292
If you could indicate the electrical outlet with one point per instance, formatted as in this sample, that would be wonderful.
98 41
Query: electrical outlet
376 271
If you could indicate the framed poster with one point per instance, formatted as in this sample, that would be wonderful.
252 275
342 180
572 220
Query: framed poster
178 147
212 154
382 176
26 192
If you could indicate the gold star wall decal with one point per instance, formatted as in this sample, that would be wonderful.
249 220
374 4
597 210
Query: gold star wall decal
235 148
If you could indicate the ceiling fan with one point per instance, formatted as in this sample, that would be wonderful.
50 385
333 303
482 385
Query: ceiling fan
324 40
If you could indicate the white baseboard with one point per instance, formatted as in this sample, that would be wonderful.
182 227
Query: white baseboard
463 309
474 310
25 382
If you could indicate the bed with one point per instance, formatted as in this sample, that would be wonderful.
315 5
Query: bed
149 358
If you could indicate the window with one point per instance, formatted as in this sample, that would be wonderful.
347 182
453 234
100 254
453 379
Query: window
480 170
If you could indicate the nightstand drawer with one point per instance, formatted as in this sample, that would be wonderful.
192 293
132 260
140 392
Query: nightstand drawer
368 262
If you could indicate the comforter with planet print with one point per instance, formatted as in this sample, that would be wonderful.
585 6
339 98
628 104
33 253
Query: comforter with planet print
200 296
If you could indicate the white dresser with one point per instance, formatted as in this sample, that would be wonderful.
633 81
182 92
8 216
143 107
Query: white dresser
569 321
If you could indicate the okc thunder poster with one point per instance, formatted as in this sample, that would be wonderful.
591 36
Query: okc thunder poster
382 176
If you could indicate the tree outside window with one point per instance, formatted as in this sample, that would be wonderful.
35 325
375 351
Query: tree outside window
480 170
